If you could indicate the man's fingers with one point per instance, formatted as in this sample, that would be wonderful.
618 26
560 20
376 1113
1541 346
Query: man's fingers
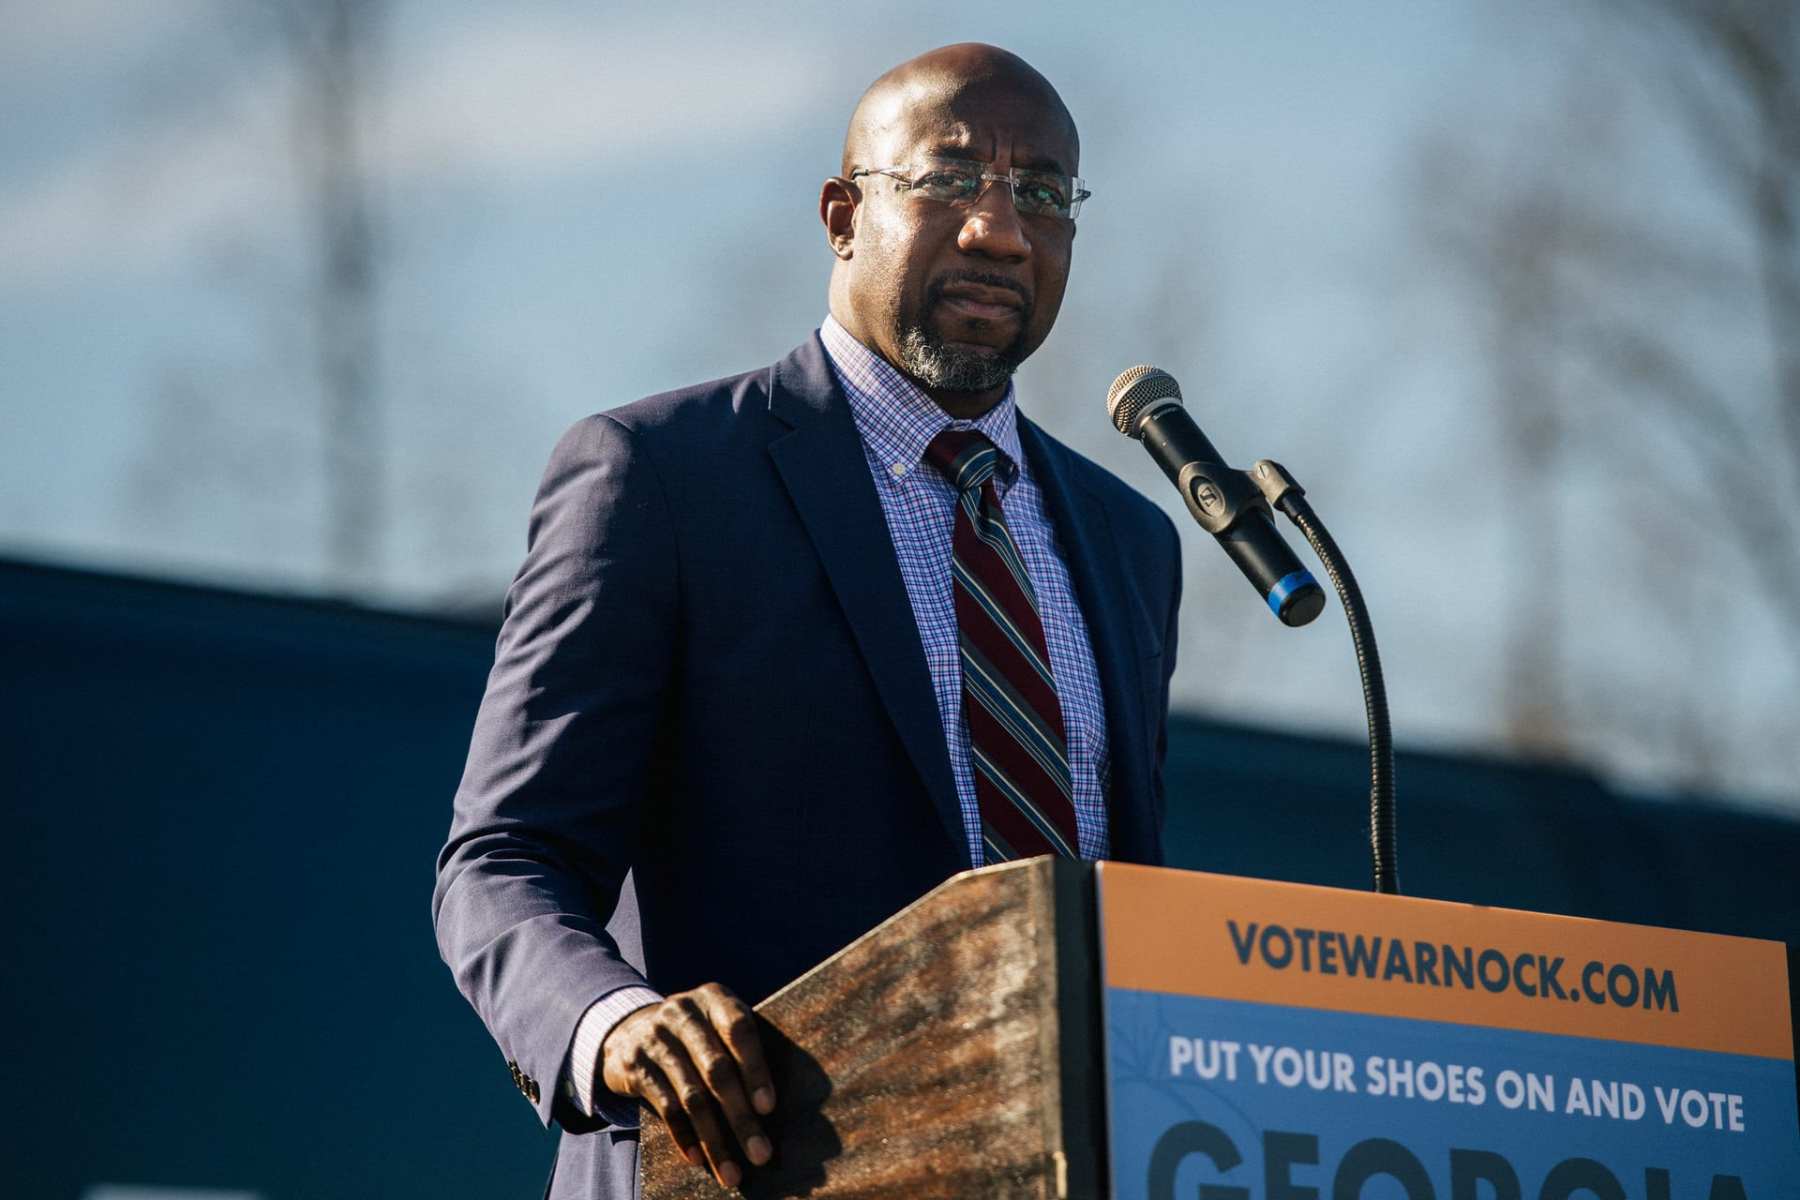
697 1059
736 1026
696 1100
720 1071
654 1089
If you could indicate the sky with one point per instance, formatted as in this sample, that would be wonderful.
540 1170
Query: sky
582 204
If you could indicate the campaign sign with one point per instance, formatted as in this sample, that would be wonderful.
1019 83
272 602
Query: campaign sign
1269 1041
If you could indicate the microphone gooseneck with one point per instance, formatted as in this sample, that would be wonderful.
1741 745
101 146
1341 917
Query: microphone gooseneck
1282 491
1234 506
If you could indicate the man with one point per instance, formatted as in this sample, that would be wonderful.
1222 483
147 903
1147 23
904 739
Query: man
793 647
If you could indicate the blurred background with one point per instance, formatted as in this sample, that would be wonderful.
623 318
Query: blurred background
296 295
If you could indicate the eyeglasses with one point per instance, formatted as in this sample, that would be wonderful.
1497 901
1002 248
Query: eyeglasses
959 181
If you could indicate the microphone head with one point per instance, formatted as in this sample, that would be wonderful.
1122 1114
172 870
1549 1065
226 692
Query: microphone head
1137 392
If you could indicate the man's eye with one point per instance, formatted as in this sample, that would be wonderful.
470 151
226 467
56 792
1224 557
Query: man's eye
1042 194
956 182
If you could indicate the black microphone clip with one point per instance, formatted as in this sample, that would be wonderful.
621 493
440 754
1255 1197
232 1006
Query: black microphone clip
1218 496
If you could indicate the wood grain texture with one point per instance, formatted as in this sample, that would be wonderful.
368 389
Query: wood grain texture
920 1061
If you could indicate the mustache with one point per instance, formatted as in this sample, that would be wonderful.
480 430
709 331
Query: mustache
935 292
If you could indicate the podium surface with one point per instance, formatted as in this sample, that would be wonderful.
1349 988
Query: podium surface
1059 1029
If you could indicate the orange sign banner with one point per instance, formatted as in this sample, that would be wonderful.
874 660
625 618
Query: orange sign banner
1187 933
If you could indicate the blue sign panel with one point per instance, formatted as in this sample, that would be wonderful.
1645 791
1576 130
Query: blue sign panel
1235 1100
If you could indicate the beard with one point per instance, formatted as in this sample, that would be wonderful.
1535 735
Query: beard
933 361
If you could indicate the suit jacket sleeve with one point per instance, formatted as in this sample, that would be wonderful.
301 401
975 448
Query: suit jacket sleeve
547 817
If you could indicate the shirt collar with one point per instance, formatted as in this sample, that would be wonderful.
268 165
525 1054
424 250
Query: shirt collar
897 420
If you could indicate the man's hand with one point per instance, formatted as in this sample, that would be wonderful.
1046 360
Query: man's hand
697 1059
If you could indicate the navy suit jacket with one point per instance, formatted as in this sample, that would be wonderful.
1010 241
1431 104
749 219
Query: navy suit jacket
709 747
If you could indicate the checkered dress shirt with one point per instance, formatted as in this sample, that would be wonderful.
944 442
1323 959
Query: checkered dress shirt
897 421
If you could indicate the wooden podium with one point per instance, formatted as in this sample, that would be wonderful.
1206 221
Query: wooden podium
1055 1029
949 1052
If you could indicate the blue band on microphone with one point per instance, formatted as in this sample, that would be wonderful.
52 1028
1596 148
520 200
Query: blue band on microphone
1288 586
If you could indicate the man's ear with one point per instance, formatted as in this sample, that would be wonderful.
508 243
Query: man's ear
838 198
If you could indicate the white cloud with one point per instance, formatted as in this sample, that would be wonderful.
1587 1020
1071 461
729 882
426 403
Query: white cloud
544 96
526 100
150 195
42 35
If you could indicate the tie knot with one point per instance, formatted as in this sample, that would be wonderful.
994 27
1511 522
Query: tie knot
966 458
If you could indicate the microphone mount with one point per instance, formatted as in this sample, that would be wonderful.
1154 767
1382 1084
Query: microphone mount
1218 499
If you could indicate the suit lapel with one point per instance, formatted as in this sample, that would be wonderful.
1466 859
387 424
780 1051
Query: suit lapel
1097 571
820 459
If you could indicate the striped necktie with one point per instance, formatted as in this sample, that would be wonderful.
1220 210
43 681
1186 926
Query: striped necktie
1016 735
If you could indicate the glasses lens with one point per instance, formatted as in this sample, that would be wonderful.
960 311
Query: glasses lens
947 180
1044 195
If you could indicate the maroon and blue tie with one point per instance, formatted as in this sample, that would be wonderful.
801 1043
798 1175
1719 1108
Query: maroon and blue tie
1017 743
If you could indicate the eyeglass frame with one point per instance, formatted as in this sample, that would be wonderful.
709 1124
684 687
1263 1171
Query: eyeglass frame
1077 184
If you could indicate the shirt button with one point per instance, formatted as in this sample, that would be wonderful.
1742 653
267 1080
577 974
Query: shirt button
898 470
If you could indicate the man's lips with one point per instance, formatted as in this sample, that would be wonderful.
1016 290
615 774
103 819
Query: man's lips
982 302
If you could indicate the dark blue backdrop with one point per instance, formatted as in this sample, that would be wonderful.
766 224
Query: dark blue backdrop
225 809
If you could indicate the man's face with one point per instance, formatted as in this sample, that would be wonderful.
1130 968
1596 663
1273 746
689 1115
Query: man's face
958 296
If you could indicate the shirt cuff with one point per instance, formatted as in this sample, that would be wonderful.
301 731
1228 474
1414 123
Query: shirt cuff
582 1084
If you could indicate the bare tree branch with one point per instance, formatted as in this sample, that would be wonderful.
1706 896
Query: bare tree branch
1598 294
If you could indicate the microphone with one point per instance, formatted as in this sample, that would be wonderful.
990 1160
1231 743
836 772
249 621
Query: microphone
1145 405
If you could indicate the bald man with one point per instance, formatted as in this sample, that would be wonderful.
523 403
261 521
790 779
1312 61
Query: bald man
791 648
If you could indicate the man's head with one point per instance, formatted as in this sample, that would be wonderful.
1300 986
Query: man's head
955 294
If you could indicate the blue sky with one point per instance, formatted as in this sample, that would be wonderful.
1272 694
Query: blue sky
587 203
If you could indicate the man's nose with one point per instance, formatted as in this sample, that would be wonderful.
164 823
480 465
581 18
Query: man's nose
992 227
